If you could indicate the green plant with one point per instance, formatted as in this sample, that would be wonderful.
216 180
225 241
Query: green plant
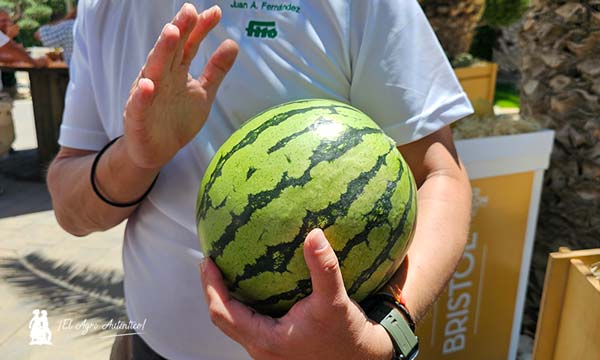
31 14
484 42
500 13
497 14
507 96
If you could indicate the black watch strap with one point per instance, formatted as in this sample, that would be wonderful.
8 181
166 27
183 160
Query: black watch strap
406 343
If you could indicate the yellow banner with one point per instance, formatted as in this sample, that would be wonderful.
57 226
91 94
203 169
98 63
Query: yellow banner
473 318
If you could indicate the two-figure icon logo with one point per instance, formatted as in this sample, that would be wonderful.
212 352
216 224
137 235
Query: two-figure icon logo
39 330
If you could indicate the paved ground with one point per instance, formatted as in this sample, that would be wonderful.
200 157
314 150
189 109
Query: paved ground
78 281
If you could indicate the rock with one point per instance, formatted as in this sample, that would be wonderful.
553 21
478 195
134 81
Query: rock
556 179
595 18
554 60
565 103
590 170
590 67
588 46
577 139
531 87
572 12
590 102
596 86
525 349
560 82
588 193
594 154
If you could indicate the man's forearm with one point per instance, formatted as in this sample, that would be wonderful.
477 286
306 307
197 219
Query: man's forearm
440 237
78 209
11 52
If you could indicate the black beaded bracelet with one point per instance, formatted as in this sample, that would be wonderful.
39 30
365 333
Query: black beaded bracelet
383 296
95 187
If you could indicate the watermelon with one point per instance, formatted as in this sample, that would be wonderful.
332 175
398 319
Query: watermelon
295 167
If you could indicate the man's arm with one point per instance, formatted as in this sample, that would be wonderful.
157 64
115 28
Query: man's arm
13 52
165 110
327 324
77 208
444 204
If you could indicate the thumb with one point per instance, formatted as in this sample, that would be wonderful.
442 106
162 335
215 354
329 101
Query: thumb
327 282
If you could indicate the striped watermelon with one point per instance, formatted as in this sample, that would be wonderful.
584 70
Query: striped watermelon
298 166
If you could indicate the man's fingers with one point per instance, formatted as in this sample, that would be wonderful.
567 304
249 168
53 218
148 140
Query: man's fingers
160 58
186 21
140 99
207 20
234 318
327 282
217 67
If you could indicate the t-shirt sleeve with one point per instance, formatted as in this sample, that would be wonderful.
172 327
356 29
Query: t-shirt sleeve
401 76
3 39
81 126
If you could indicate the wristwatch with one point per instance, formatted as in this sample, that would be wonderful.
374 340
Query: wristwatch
396 320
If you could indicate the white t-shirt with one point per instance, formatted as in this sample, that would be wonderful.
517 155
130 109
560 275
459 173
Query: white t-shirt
3 39
380 56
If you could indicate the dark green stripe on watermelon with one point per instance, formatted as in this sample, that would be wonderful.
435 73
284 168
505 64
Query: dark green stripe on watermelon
385 252
326 151
205 202
376 219
321 219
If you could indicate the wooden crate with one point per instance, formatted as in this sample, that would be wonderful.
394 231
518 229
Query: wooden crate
569 322
478 81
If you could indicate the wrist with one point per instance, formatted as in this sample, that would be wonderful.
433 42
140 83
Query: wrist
117 179
386 345
375 342
391 313
122 148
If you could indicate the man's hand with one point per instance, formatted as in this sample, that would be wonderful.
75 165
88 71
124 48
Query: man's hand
12 31
167 107
325 325
165 110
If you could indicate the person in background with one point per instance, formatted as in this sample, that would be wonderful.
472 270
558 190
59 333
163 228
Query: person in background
10 51
9 80
59 34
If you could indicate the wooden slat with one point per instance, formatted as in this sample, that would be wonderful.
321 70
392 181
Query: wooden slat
559 297
579 333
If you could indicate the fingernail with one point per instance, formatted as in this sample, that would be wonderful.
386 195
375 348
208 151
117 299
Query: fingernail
319 240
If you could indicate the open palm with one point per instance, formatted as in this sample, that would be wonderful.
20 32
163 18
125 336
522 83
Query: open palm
167 106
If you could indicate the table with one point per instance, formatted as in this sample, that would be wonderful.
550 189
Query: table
48 88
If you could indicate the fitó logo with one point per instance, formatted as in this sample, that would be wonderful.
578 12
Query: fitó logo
261 29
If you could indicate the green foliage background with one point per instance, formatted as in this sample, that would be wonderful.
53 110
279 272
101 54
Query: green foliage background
500 13
497 14
31 14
